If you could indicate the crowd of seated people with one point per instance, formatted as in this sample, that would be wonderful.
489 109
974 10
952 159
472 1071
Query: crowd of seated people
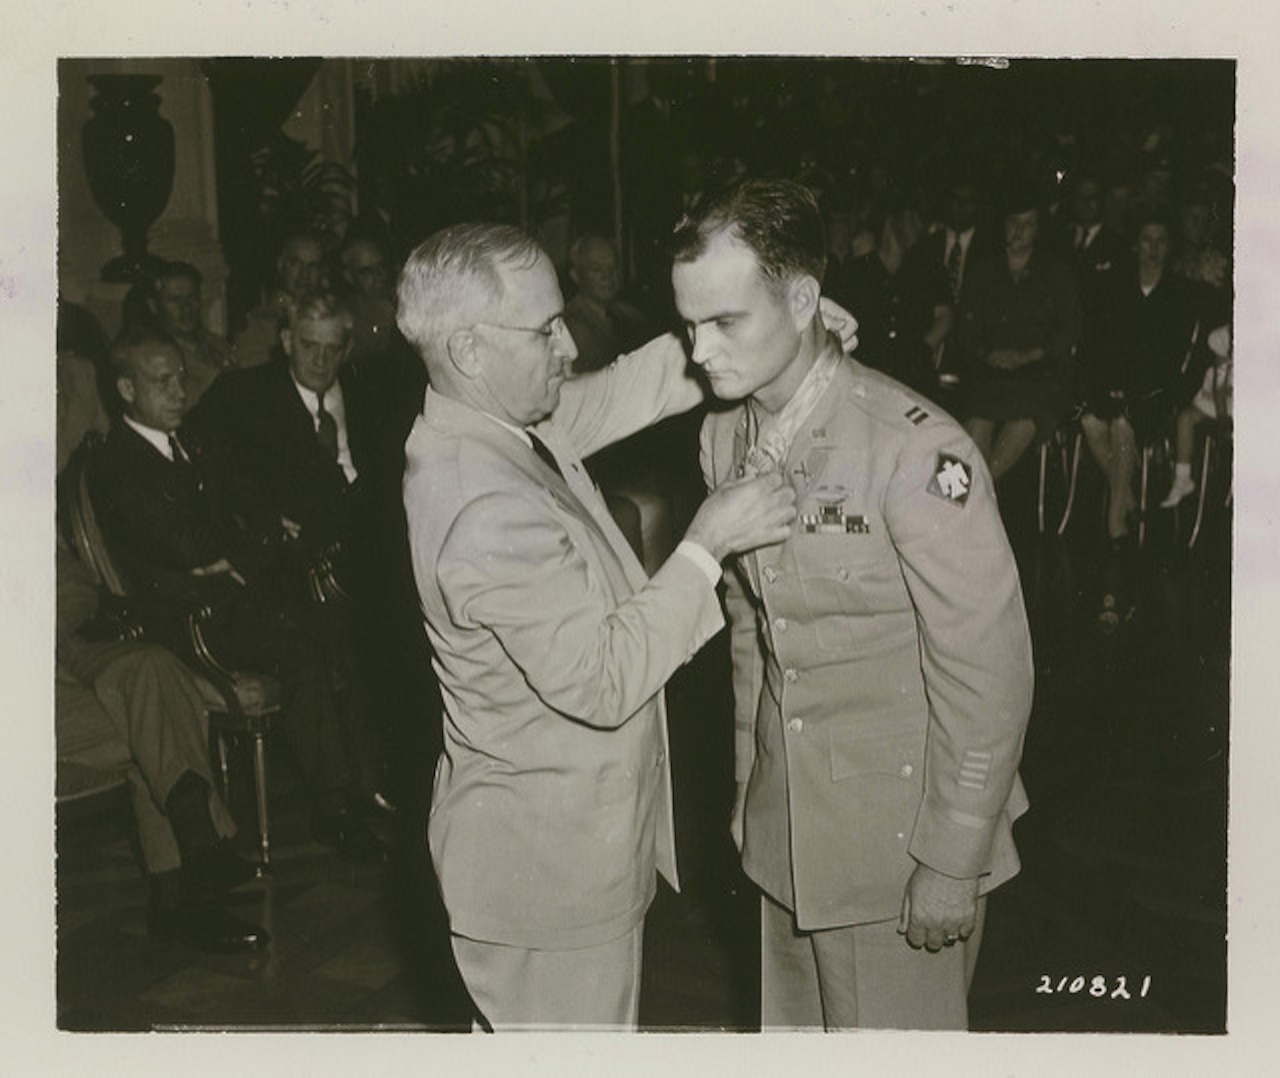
267 497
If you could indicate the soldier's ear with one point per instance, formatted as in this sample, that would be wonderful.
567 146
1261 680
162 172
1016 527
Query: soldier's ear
463 353
803 294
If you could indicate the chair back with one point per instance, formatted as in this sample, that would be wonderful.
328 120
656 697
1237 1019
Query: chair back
86 536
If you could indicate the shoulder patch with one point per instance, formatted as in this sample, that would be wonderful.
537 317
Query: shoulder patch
916 414
952 479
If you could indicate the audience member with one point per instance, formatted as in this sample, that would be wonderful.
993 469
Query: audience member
320 442
901 300
958 245
1019 322
376 342
1096 252
82 355
299 269
175 302
134 707
1211 402
1131 380
185 531
1200 255
603 325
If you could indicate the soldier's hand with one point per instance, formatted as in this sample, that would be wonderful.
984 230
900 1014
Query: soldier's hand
744 514
938 910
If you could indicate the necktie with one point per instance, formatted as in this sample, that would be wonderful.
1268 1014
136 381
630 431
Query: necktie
953 268
176 450
544 454
326 429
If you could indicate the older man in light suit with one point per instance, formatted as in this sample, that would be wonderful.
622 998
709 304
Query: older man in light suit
881 661
552 799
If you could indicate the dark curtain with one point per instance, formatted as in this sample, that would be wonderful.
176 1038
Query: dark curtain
252 98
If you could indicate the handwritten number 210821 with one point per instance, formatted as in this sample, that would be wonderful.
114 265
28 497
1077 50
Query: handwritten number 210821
1099 987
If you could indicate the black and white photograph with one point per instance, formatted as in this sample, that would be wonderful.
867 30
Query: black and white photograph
721 539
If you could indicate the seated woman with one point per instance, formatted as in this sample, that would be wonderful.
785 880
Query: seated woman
1131 383
1019 322
1213 401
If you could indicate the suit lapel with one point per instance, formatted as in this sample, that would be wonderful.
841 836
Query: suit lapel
587 501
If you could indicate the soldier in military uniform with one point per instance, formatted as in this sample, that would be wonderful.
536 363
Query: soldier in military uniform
882 665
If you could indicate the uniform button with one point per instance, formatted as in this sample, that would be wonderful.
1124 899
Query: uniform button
770 573
906 771
790 674
893 334
901 836
842 573
780 625
795 725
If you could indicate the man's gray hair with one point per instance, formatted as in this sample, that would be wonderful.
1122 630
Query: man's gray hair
451 280
320 307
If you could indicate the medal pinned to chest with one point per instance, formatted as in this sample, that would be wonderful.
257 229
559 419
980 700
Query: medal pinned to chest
828 514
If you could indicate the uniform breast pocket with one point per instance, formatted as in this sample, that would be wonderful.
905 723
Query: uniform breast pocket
845 581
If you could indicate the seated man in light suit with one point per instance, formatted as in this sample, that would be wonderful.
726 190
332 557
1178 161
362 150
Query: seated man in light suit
552 800
881 660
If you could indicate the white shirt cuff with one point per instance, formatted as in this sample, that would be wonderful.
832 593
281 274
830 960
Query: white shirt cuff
701 557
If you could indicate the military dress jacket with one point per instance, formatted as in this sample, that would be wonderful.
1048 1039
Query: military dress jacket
881 659
552 800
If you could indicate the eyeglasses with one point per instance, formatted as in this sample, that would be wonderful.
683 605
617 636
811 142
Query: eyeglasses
552 327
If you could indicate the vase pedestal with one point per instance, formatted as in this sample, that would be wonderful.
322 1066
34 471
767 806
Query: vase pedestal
129 161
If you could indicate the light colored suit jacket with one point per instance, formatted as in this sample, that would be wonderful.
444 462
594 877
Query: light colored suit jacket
882 663
552 800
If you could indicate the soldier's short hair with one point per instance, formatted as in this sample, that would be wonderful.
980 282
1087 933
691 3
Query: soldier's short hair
779 220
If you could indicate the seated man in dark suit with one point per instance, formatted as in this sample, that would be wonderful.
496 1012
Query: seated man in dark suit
134 707
184 532
320 438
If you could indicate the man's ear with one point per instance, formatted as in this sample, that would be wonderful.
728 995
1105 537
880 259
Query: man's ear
803 294
286 341
463 353
124 386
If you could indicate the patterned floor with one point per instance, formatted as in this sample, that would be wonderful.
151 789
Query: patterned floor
1117 921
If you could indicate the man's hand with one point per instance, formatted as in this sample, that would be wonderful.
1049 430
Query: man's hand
217 568
744 514
840 322
938 910
735 821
